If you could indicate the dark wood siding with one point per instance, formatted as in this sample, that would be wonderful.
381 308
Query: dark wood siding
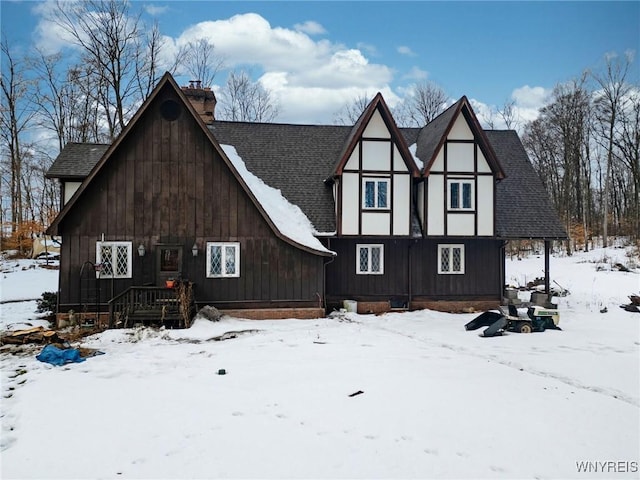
416 258
166 184
344 283
482 277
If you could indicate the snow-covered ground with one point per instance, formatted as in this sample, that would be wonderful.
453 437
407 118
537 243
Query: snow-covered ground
436 402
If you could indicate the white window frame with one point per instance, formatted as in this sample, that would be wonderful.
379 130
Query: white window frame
223 246
114 259
460 182
369 247
450 248
376 181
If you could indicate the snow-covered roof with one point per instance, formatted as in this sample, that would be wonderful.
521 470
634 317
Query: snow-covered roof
288 218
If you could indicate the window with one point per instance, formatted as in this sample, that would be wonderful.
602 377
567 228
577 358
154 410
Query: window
223 259
451 259
369 259
170 259
376 193
114 259
461 195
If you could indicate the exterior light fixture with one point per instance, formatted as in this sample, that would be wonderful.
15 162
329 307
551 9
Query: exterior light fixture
194 249
141 250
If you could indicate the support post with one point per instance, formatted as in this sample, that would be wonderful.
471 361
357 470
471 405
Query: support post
547 249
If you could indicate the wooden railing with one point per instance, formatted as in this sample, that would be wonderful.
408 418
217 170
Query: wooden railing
146 305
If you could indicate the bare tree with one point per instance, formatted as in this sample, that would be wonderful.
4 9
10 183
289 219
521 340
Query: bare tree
609 102
243 100
628 153
509 115
110 41
64 99
147 61
557 143
350 112
200 61
425 102
15 117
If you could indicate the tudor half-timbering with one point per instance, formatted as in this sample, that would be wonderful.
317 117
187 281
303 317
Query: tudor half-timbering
388 216
374 178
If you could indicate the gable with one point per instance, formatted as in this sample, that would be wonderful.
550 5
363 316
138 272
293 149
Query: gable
363 148
167 137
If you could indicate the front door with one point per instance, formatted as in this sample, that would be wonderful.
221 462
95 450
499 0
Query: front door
168 263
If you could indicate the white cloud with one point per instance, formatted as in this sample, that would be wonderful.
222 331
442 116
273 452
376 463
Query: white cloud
305 75
155 10
50 37
310 28
404 50
416 73
530 97
528 102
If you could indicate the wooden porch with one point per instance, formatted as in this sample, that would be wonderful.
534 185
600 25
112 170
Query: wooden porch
154 306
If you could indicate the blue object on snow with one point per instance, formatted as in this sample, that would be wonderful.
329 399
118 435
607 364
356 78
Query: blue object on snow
57 356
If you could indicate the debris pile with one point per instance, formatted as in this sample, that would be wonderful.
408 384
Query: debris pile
37 335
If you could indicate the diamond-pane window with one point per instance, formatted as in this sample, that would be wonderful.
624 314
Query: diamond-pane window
364 260
444 260
375 259
451 259
369 259
122 260
215 260
230 259
223 259
456 259
114 259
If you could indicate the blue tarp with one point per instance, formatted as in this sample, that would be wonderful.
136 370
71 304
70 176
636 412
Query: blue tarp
57 356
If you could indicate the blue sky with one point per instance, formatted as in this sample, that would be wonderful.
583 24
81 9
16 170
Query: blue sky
315 56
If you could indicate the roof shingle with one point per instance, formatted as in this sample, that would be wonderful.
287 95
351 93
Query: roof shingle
296 159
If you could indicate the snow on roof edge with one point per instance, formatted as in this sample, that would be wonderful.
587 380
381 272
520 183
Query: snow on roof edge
412 150
288 218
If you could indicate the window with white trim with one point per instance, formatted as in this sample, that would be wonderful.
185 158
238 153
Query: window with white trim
114 259
460 194
450 259
223 259
375 193
370 259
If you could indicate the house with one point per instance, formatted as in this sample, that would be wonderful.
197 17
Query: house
281 220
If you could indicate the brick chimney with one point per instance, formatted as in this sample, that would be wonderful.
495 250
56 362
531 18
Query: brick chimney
202 99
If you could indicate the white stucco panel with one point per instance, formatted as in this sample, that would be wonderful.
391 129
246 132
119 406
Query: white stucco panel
353 162
435 205
460 224
483 165
376 155
376 127
438 164
398 162
460 130
350 203
69 189
401 204
485 205
376 223
460 157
